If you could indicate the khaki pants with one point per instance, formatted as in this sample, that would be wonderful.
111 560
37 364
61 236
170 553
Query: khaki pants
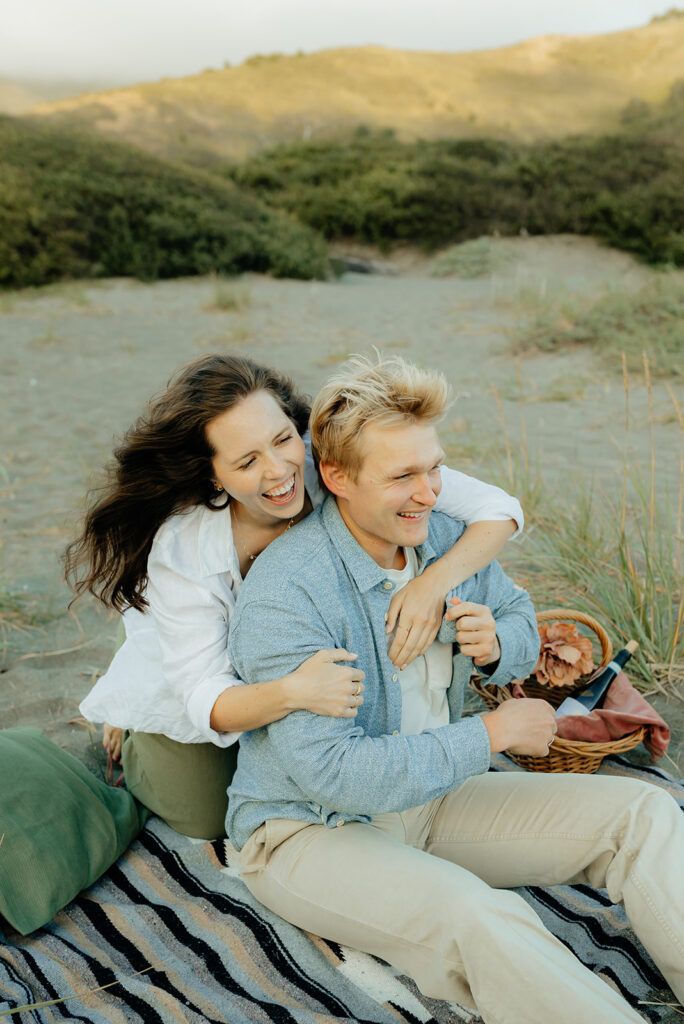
184 783
426 890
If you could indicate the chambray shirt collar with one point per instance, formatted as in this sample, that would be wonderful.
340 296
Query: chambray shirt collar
365 571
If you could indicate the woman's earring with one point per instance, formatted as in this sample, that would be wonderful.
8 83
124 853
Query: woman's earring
217 487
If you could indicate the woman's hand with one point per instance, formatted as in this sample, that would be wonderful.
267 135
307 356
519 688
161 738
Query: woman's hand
326 688
417 612
111 740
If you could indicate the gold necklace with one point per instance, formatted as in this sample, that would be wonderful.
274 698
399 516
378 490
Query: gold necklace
238 538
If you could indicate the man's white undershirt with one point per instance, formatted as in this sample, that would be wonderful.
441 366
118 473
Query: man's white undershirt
425 682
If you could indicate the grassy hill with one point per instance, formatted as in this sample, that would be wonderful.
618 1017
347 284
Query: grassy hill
542 88
626 187
18 95
78 206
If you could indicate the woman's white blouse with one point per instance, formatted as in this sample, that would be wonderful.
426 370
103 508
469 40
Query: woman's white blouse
174 663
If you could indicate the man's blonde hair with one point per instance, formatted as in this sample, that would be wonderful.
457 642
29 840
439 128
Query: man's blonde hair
362 391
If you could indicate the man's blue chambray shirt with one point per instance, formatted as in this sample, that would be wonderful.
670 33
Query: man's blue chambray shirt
315 587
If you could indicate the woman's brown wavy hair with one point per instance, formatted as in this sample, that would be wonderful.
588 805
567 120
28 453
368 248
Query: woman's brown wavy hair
163 466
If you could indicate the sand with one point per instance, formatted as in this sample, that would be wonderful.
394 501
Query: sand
79 361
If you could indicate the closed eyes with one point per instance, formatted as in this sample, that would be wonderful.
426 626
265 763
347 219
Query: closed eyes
279 441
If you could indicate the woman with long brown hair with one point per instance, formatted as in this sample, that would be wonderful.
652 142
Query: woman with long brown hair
211 473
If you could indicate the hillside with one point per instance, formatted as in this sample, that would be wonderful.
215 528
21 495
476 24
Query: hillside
18 95
77 206
625 187
542 88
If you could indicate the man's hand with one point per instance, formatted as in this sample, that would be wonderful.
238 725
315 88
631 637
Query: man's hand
523 726
476 634
416 611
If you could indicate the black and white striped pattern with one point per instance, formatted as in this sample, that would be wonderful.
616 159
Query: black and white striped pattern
177 906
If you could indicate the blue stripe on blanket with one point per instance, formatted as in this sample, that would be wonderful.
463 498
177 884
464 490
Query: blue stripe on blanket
175 909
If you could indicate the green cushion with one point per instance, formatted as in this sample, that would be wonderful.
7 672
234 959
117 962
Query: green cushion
60 827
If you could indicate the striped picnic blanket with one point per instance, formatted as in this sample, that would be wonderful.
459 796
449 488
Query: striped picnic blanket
184 941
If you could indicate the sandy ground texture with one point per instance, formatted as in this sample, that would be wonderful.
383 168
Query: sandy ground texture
79 361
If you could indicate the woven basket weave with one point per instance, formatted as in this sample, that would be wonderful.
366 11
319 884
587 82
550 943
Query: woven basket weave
564 755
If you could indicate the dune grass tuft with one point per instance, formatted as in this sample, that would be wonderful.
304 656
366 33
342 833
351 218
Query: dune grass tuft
477 258
617 556
650 320
230 296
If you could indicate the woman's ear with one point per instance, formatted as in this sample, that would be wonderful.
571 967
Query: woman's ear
334 478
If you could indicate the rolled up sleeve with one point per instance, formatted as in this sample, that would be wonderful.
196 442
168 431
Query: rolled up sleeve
193 627
473 501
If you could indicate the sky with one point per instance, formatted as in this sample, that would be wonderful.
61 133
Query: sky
135 40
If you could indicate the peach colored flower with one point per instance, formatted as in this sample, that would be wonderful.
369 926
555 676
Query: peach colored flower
565 655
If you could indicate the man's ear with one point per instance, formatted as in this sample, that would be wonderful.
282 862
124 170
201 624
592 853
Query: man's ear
334 477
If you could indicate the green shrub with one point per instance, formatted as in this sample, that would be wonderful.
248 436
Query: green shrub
626 188
78 206
291 252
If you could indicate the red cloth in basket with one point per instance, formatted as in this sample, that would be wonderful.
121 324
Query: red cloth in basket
624 710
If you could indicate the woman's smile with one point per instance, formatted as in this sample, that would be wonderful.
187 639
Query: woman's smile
282 494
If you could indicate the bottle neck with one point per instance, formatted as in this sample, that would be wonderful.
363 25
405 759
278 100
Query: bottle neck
619 660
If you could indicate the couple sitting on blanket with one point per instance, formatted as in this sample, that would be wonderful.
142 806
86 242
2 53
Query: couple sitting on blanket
372 820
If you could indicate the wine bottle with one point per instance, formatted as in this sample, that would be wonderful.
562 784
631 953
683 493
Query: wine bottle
592 695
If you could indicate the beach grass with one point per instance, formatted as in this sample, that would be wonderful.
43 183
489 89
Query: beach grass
14 613
616 555
478 257
14 617
72 293
230 296
566 387
649 320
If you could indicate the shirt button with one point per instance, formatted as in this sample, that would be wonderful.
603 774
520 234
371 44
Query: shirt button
339 824
395 677
388 585
396 732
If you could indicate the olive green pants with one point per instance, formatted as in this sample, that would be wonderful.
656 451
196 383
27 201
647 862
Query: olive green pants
184 783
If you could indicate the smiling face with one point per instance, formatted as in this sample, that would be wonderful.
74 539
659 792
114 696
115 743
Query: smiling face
387 506
259 459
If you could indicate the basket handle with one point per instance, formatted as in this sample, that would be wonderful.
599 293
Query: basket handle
567 615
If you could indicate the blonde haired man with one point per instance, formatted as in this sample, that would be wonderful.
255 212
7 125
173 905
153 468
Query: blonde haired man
385 832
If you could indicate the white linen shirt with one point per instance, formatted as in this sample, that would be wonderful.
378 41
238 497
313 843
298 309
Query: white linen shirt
424 683
174 663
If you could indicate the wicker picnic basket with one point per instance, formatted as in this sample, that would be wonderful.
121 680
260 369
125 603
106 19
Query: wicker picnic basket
564 755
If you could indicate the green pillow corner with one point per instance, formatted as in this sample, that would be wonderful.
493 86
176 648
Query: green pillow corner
60 827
